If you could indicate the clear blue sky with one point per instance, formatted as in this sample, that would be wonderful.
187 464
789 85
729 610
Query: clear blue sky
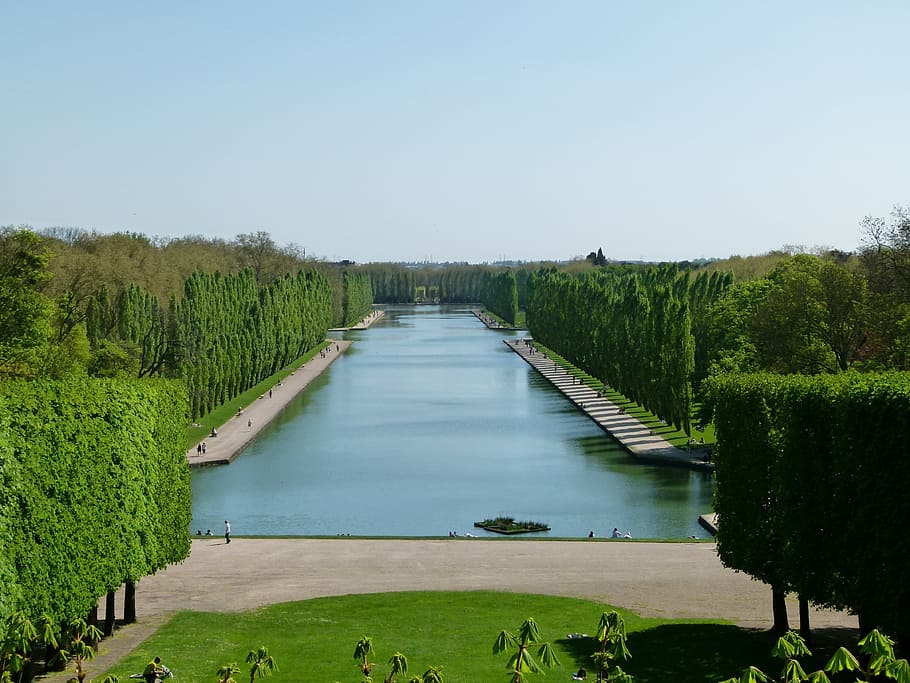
412 130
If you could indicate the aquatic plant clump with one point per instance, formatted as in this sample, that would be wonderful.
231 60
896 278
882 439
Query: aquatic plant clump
508 525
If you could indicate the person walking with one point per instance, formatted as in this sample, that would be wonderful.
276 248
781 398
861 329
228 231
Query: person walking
227 531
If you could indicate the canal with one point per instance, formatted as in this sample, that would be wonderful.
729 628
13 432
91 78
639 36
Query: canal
427 424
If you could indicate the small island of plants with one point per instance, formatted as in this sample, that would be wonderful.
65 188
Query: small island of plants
508 525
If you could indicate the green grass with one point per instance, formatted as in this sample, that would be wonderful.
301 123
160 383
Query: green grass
314 640
226 411
677 437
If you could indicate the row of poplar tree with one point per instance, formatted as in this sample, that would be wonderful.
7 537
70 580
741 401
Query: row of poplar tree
642 331
448 284
224 335
455 284
501 296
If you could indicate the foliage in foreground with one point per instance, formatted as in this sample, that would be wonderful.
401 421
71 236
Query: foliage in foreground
521 661
877 648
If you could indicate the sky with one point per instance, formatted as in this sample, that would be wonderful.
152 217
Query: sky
420 130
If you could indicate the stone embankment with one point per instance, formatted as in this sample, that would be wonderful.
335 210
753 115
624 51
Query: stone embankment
638 439
375 315
491 322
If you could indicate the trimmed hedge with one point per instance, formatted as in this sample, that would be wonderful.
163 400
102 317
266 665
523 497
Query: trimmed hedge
96 489
501 295
358 297
812 480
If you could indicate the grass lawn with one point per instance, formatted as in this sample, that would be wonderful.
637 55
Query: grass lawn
314 640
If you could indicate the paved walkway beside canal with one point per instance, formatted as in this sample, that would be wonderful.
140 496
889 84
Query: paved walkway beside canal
634 436
236 434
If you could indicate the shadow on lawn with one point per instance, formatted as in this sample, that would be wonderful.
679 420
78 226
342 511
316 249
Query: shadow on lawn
700 653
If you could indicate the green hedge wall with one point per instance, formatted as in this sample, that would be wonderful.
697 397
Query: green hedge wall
812 481
95 489
358 297
501 295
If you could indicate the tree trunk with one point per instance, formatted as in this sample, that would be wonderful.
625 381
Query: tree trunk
779 609
49 653
91 619
805 630
129 603
109 615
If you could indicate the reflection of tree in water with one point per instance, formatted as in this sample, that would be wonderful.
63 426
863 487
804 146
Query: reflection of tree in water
659 489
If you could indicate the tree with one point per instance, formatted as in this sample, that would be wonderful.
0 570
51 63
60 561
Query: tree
598 258
17 638
885 252
362 652
521 662
842 321
812 319
263 664
432 675
611 646
79 637
399 666
24 315
226 673
811 476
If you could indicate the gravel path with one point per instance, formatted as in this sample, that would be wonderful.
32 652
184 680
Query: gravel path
678 580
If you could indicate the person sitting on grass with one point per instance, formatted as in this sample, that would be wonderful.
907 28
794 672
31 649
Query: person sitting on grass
580 675
153 671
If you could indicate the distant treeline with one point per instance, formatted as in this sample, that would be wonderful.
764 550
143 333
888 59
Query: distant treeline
497 288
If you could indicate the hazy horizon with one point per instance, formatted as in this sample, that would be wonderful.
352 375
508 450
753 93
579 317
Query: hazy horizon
414 131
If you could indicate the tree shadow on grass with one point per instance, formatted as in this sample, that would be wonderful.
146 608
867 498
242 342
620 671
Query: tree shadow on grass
696 652
713 652
684 653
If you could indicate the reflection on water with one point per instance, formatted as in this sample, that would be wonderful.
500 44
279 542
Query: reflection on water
427 424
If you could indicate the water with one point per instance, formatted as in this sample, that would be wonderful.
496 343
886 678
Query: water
427 424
